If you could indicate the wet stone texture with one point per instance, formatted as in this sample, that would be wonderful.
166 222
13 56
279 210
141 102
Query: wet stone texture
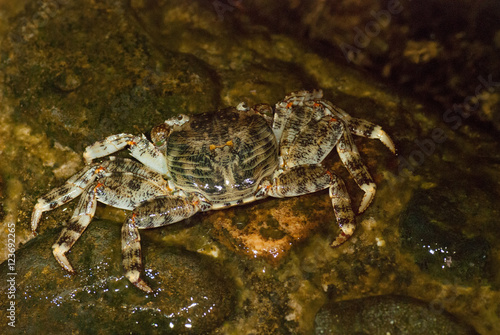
274 227
108 58
73 72
445 53
98 298
387 315
433 234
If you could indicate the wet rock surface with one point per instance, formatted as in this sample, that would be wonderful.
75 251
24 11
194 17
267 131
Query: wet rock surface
431 229
387 315
75 72
274 227
434 50
98 298
79 85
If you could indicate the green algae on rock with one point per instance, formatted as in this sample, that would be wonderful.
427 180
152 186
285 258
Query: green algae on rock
80 87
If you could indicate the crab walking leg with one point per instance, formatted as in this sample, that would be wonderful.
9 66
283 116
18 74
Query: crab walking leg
154 213
83 214
367 129
283 109
350 157
75 185
139 146
312 178
343 211
69 191
131 254
314 143
360 127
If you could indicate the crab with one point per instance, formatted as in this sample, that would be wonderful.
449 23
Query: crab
215 160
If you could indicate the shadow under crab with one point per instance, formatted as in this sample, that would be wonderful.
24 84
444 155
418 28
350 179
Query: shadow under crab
213 161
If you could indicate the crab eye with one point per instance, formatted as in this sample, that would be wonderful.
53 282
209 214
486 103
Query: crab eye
264 109
159 134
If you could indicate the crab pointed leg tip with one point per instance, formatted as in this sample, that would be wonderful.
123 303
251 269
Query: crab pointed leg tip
362 207
335 244
393 149
386 140
365 202
390 145
68 267
62 260
35 217
34 228
339 241
370 189
141 284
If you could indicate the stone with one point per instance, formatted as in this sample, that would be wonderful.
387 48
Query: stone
431 230
192 295
380 315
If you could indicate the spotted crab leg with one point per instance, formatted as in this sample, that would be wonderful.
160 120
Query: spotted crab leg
83 214
132 256
367 129
284 108
306 179
139 146
349 153
75 185
350 157
69 191
124 183
313 143
343 210
360 127
154 213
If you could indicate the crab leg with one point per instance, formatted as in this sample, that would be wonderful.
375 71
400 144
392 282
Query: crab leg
343 210
75 185
312 178
154 213
84 212
313 143
123 183
351 159
132 256
364 128
283 109
139 147
69 191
